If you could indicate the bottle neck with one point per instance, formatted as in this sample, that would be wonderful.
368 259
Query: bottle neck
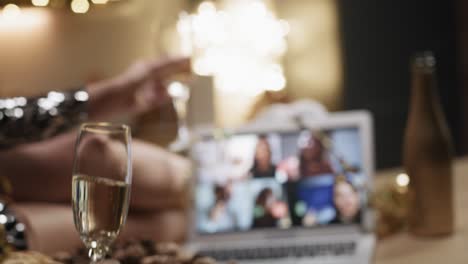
423 94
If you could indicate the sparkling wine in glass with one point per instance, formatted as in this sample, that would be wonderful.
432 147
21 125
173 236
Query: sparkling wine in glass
102 176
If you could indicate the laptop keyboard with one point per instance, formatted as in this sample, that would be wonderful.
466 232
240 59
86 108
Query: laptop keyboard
295 251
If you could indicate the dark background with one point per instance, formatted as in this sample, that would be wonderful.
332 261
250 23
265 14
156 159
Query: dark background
378 40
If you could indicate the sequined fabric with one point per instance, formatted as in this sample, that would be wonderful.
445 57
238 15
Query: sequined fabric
24 120
13 230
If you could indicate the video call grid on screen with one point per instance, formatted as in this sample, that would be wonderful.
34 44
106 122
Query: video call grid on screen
281 180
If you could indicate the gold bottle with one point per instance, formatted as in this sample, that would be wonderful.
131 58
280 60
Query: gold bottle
428 155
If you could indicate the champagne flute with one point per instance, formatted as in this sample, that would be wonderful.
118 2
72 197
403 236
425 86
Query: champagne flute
180 94
102 176
179 86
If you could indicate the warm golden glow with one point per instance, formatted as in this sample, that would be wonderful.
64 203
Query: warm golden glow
22 20
11 11
313 65
402 180
239 44
80 6
99 2
40 2
178 90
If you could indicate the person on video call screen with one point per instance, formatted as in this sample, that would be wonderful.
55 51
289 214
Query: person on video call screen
220 217
304 179
346 201
263 166
313 158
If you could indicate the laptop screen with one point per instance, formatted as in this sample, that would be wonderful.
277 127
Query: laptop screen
279 180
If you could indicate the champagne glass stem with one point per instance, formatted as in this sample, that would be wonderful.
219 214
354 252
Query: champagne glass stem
180 94
96 254
182 129
180 106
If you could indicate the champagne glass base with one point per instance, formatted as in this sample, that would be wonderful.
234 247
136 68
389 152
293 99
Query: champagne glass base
179 145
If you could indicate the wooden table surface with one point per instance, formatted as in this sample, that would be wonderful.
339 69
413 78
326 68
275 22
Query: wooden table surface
406 249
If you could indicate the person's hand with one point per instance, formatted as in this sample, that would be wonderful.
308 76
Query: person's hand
137 90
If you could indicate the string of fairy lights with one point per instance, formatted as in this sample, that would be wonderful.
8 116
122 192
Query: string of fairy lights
9 7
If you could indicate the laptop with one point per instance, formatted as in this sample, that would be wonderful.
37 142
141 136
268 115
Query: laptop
278 194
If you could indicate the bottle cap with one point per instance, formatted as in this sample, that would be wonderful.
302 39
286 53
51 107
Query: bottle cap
424 61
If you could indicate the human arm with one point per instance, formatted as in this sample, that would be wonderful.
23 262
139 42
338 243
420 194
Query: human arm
137 90
41 172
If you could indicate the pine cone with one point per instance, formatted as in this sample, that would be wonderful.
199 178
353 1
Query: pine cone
145 251
28 257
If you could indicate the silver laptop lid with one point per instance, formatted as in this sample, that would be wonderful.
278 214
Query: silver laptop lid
283 181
